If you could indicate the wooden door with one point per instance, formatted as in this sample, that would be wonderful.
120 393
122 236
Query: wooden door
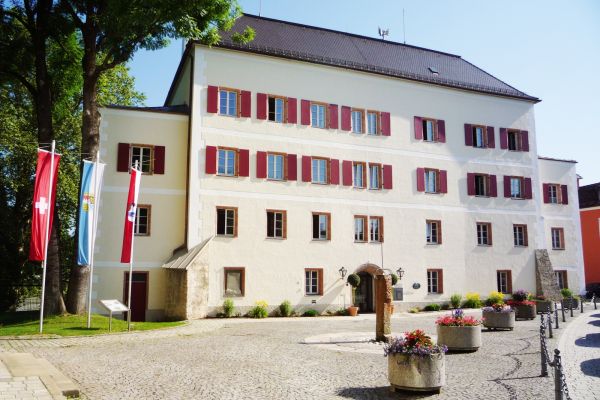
139 295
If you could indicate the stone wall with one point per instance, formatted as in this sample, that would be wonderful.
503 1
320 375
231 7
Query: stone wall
176 294
544 276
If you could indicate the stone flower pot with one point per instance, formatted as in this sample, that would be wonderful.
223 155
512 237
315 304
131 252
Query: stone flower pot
544 306
352 311
525 311
499 320
570 303
415 373
459 338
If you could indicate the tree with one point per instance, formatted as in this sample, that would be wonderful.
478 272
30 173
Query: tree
111 31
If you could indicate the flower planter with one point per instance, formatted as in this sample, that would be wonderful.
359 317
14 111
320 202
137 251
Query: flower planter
459 338
570 303
544 306
499 320
416 373
353 311
524 311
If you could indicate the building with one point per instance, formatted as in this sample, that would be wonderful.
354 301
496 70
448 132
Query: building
272 165
589 205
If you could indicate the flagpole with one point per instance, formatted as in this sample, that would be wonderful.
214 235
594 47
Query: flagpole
94 225
44 261
131 265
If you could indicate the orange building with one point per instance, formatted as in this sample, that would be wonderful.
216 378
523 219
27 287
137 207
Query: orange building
589 205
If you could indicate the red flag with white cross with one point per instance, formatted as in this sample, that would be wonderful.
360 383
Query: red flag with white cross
46 175
130 212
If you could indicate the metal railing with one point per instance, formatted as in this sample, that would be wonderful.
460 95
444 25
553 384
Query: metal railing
561 390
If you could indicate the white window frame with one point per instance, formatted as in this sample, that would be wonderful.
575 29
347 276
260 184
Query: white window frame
318 167
279 109
358 175
318 115
430 231
144 156
278 216
372 123
356 118
553 193
136 226
228 223
519 235
433 283
431 181
230 106
375 175
323 226
516 183
229 157
311 281
273 172
483 235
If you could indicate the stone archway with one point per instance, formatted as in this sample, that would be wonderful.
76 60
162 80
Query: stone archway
365 297
382 299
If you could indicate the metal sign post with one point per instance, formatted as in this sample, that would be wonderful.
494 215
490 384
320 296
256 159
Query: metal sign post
113 306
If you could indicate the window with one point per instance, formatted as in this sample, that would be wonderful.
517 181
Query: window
434 232
561 279
313 281
558 238
321 226
553 194
234 281
228 102
360 228
144 155
435 281
520 235
372 123
484 234
226 221
142 220
479 136
318 115
516 187
374 176
431 181
429 130
226 163
276 109
359 174
514 140
376 229
481 185
357 121
276 224
504 281
275 166
320 170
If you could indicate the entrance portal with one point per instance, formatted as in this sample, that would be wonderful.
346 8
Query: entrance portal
365 293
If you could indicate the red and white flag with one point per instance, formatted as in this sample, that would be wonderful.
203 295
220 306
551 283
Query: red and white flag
130 211
43 203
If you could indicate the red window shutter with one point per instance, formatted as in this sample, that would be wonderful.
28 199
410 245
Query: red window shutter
292 110
346 117
159 159
385 124
211 99
443 181
493 186
292 167
305 112
123 157
243 162
306 175
261 164
441 125
320 280
471 184
347 173
468 135
527 188
387 177
503 138
246 104
491 141
565 194
506 186
261 106
440 281
546 191
333 116
524 141
418 128
509 281
211 160
334 171
420 179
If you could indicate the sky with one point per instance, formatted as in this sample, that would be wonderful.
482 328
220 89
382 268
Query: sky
546 48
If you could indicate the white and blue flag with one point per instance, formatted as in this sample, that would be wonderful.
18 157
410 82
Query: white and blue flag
91 182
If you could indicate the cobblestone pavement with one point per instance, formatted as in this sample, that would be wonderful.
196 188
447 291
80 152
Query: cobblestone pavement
269 359
580 348
21 388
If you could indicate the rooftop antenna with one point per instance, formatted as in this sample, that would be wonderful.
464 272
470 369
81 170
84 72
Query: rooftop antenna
383 32
403 26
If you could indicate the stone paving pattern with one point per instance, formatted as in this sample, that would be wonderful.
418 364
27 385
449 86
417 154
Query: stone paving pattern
22 388
268 359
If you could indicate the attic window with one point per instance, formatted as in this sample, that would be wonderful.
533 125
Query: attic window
434 70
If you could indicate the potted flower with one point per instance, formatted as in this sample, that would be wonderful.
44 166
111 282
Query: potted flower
415 363
498 316
524 308
543 305
459 332
568 300
354 281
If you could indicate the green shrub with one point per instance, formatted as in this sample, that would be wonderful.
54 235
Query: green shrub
354 280
432 307
228 308
285 308
394 279
260 310
341 312
472 300
566 293
414 310
495 298
310 313
455 300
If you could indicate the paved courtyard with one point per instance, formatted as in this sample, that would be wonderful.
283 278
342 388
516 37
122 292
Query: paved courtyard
299 358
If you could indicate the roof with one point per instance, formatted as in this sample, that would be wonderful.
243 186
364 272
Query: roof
179 109
589 195
182 258
556 159
341 49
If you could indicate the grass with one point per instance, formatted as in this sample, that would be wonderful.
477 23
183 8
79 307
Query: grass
28 323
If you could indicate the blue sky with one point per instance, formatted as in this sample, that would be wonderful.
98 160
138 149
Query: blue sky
546 48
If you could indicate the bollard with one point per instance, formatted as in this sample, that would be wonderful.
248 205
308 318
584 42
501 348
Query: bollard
558 392
562 309
594 299
555 316
544 371
581 305
571 305
549 320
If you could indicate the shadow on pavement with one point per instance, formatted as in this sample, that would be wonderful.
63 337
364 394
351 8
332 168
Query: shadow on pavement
383 392
590 340
591 367
595 322
595 315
